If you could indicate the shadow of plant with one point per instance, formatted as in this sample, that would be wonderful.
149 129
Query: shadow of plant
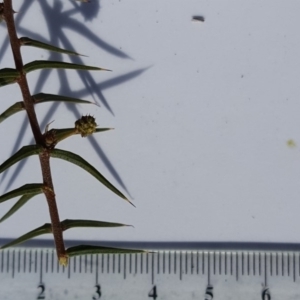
57 20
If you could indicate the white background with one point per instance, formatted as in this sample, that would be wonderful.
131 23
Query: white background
202 112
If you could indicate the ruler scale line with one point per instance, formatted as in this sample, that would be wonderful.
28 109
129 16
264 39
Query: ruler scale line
147 263
97 269
158 258
202 254
294 267
271 264
35 261
186 264
208 269
152 269
113 268
259 264
277 264
29 265
225 263
248 263
220 263
282 264
19 261
192 263
13 264
47 257
69 268
236 267
243 263
231 263
125 258
164 262
180 266
41 266
52 261
108 261
197 262
265 270
131 263
288 264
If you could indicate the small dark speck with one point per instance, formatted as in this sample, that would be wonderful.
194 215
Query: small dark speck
242 76
198 18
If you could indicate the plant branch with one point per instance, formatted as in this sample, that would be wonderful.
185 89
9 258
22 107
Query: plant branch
50 195
44 156
22 81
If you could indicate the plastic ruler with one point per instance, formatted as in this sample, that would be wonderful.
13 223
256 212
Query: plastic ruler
33 273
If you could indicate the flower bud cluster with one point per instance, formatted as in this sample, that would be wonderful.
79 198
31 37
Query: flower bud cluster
86 125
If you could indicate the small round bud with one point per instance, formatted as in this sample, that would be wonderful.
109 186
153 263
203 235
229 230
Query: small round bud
86 125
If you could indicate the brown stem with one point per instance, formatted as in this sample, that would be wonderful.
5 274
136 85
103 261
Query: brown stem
50 195
39 138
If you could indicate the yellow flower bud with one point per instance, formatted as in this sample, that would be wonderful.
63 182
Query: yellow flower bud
86 125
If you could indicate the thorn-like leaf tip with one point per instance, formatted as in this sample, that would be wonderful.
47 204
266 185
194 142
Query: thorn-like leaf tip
131 203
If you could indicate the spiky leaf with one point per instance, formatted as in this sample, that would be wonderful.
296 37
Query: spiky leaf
46 228
8 73
26 189
18 106
23 200
45 64
21 154
7 81
68 224
25 41
62 134
79 161
103 129
41 98
88 249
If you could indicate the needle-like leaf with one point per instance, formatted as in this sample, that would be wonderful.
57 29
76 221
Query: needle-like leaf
79 161
18 106
41 98
88 249
46 228
25 41
45 64
26 189
61 134
67 224
7 81
23 200
21 154
8 73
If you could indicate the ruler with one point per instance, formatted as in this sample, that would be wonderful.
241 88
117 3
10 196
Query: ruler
34 273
